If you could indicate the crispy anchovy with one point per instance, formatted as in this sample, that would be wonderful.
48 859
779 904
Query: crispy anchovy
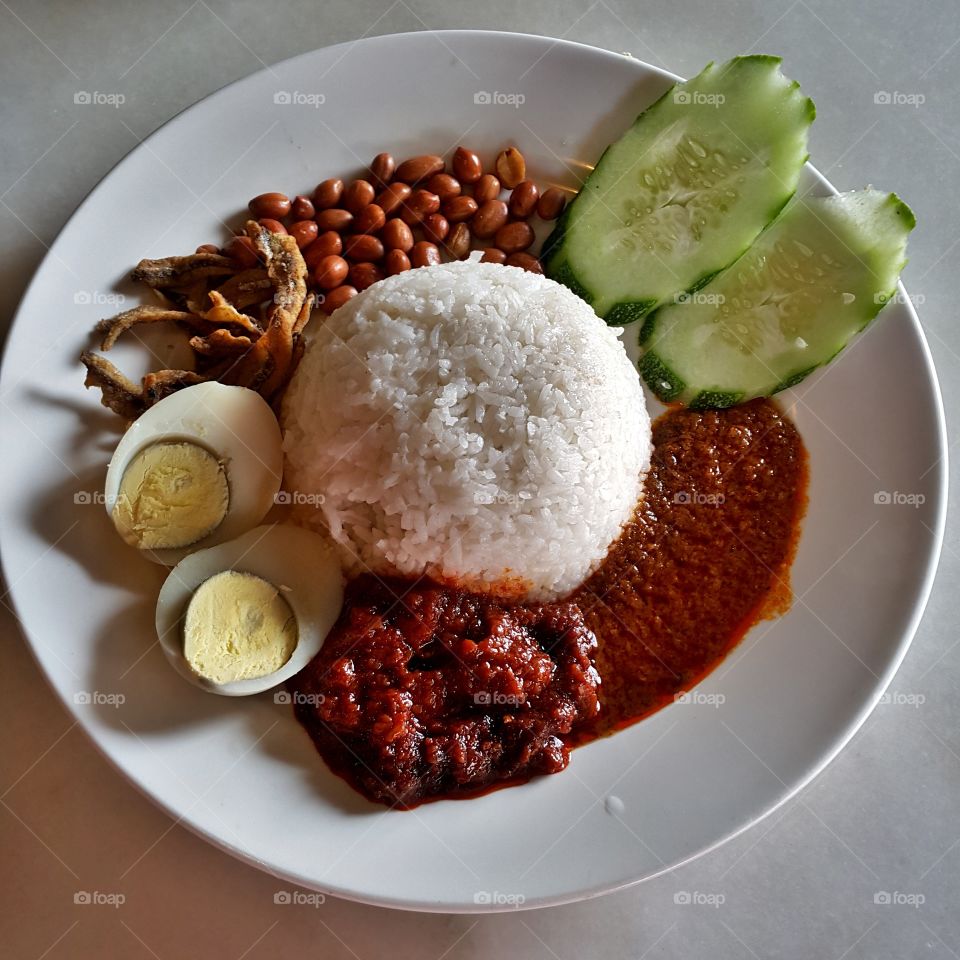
192 297
298 347
161 384
182 271
246 288
113 327
215 367
287 271
119 394
230 345
221 312
127 398
220 343
303 318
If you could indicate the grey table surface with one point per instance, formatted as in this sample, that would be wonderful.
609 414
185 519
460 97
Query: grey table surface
884 816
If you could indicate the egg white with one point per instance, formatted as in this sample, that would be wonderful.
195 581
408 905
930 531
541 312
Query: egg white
234 424
302 564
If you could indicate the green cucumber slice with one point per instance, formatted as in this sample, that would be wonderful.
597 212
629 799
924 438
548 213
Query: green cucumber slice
685 190
813 279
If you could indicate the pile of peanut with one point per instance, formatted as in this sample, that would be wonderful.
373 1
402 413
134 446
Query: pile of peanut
411 214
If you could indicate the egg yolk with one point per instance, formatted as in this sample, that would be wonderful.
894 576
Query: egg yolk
238 627
171 495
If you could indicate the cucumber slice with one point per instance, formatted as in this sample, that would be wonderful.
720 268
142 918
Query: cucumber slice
685 190
814 278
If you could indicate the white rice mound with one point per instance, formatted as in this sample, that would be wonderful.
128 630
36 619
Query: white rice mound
469 421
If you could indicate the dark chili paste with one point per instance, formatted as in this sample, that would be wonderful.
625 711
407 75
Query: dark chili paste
423 691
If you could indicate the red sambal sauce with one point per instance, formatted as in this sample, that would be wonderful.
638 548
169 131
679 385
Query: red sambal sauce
424 691
707 556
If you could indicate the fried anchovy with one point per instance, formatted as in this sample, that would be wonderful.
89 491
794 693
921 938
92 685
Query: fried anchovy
220 343
246 288
182 271
221 312
287 271
127 398
119 394
113 327
230 345
161 384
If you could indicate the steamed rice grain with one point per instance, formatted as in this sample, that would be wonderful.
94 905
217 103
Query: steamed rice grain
469 421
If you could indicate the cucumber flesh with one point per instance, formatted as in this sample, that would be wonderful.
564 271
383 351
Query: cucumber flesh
814 278
685 190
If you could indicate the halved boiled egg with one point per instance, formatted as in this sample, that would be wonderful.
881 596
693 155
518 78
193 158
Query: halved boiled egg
243 616
200 467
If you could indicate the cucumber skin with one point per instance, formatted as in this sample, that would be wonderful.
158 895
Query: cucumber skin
554 239
800 376
660 378
715 400
565 275
557 267
669 387
628 311
665 383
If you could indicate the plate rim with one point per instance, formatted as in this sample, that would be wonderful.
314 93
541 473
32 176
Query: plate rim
838 741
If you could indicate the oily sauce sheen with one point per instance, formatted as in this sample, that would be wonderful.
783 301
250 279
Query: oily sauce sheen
424 691
707 555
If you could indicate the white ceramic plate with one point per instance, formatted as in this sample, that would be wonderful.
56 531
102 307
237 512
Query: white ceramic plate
242 773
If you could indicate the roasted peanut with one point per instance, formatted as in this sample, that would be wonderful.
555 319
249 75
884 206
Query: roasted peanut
362 248
382 168
444 186
208 248
511 167
327 244
304 232
242 251
493 255
274 226
357 195
523 199
435 227
466 165
330 272
458 241
486 188
363 275
420 204
551 204
274 206
491 216
392 198
327 194
334 219
396 262
458 209
370 219
302 208
396 235
514 237
337 298
424 254
418 168
525 262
